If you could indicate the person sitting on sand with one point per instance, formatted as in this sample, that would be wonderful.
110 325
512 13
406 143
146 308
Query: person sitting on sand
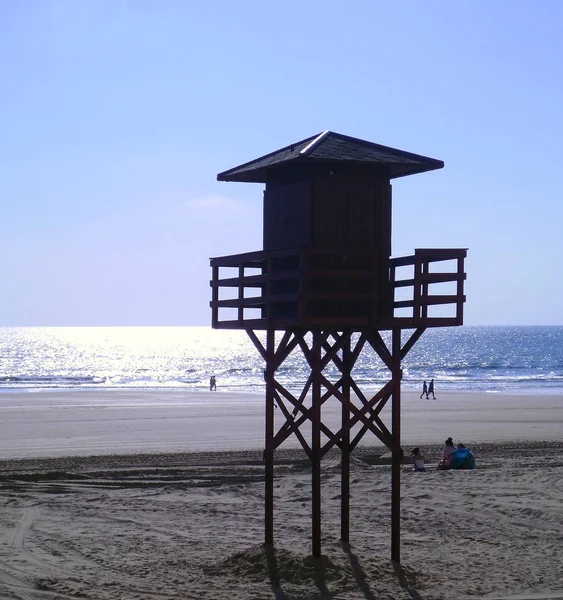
447 457
418 460
463 458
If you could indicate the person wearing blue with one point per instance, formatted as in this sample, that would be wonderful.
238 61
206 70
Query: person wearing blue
463 458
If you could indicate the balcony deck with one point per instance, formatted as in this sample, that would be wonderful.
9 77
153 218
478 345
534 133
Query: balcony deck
330 288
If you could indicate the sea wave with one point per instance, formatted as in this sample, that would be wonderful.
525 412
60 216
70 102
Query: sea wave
490 359
50 380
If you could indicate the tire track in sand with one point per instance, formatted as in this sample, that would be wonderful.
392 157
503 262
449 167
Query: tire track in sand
12 578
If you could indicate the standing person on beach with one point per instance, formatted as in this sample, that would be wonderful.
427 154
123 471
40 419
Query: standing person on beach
431 390
424 390
212 384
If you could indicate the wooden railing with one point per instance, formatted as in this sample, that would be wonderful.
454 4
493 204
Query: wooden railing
423 282
322 287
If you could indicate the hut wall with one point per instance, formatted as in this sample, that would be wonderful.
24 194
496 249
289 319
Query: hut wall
383 235
353 214
334 213
287 216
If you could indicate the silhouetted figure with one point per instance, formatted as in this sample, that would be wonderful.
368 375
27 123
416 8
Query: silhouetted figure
431 390
449 452
424 390
463 458
418 460
212 384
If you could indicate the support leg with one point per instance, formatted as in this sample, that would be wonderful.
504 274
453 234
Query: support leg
269 441
345 468
397 451
316 445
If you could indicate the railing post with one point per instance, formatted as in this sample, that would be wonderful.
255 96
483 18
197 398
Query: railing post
391 298
240 311
215 297
460 286
304 267
424 269
417 276
266 291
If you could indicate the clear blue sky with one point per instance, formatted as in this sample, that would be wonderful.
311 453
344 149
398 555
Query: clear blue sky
116 116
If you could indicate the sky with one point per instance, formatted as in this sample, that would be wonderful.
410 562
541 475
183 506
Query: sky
117 115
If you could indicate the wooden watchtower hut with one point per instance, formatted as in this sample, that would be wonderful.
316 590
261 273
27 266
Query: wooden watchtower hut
326 281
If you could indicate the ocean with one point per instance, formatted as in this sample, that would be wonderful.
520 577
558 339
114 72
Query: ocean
483 359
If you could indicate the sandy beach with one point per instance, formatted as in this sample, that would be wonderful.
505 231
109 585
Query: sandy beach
159 495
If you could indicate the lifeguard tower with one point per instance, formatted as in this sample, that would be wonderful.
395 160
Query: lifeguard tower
325 280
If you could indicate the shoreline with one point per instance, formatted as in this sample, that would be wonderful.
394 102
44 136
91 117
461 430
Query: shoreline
543 391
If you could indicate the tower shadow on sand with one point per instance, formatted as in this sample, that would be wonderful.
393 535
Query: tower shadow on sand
319 568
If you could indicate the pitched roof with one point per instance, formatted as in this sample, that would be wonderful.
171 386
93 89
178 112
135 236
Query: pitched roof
332 148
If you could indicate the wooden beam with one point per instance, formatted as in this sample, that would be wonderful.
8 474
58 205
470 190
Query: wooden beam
269 441
402 261
359 415
403 303
459 309
376 342
346 370
248 324
255 301
396 451
439 254
443 299
358 347
443 277
412 341
240 309
253 281
316 443
290 426
432 278
214 298
252 259
258 344
403 283
285 348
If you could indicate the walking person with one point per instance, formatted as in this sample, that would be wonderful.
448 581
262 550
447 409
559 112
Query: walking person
431 390
424 390
212 384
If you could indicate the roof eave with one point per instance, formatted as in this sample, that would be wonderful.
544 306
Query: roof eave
395 170
257 176
401 170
